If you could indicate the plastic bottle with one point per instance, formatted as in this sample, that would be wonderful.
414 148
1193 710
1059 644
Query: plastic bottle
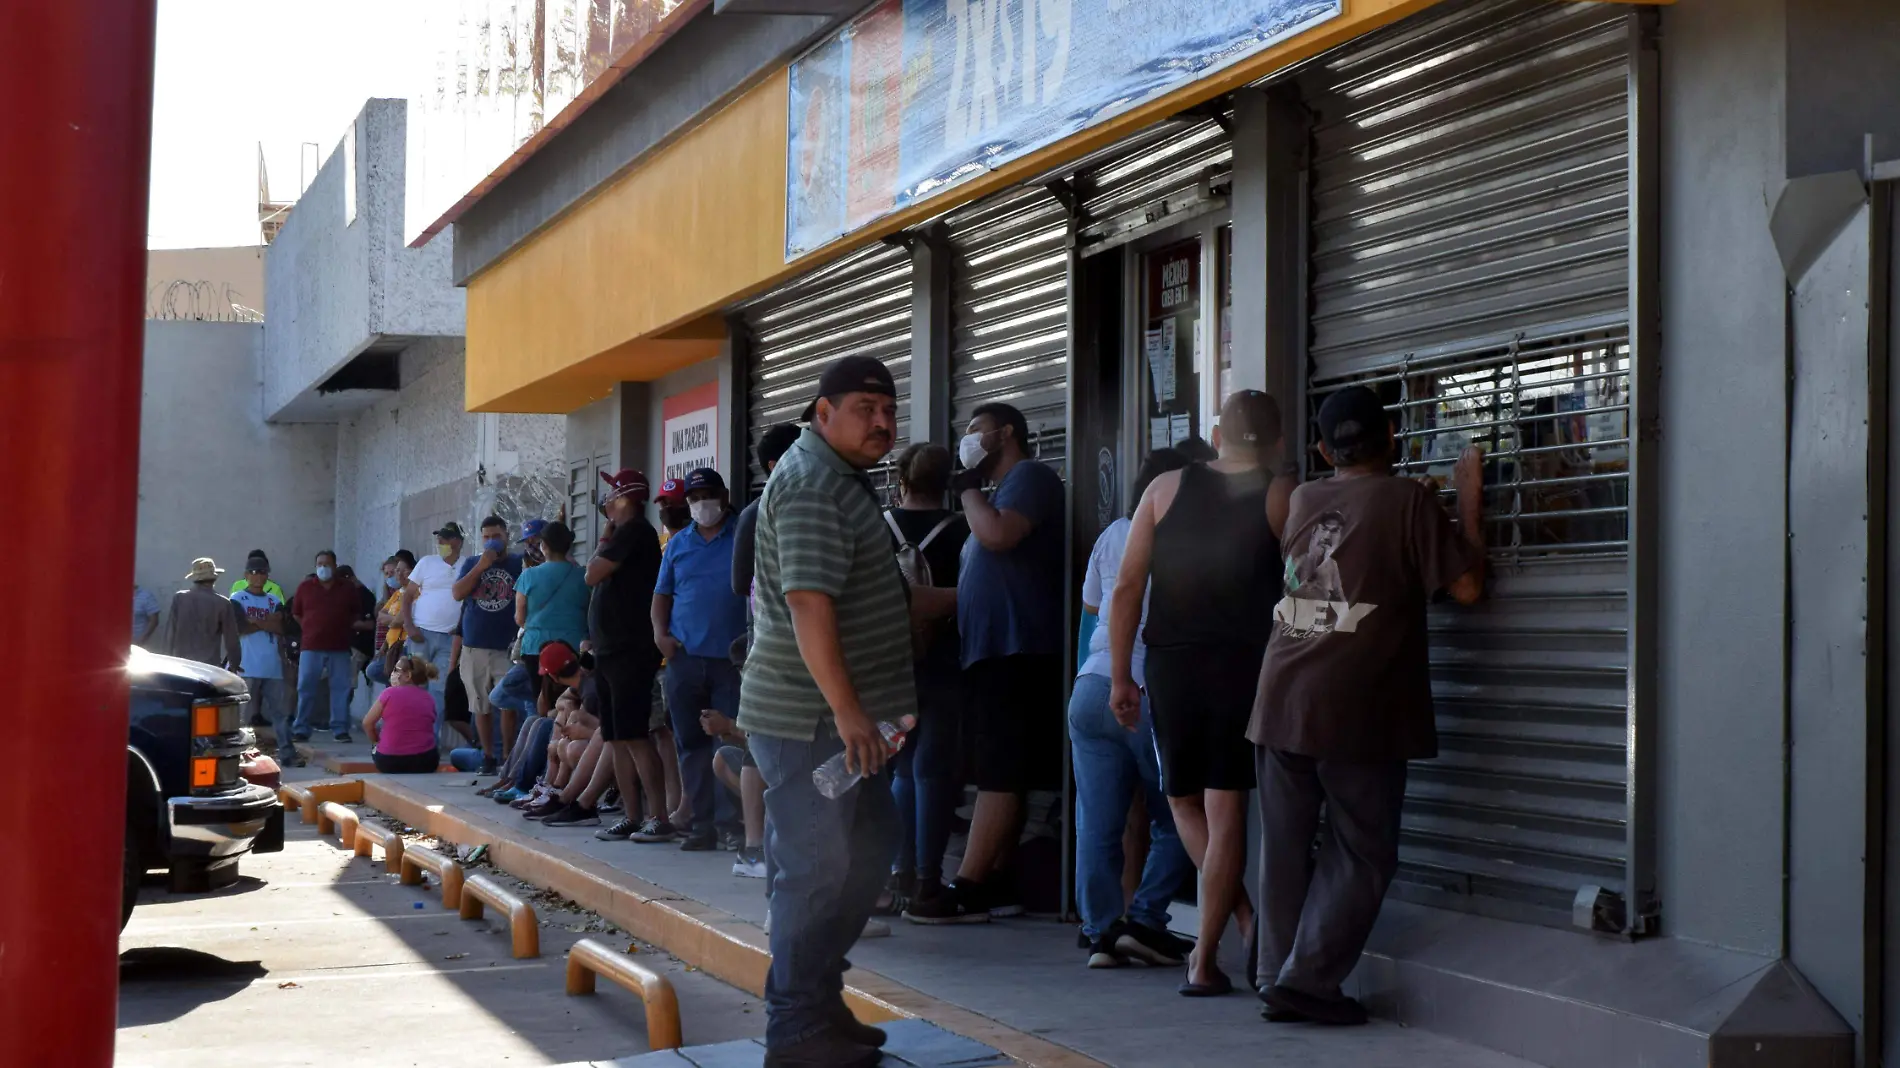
833 780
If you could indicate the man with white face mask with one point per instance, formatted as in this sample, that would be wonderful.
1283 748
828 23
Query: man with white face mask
696 618
326 609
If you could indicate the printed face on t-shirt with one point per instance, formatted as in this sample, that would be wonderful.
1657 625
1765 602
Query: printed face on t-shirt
1315 602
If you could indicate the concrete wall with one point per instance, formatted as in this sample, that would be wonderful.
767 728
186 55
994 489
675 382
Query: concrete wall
417 459
214 478
1724 475
216 284
715 370
338 277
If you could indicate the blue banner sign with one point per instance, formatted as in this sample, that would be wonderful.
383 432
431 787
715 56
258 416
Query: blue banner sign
913 96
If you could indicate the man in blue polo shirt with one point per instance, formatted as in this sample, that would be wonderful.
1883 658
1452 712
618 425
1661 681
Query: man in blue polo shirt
696 618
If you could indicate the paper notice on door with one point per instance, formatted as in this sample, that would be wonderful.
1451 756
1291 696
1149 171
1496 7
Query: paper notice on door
1158 433
1178 428
1160 348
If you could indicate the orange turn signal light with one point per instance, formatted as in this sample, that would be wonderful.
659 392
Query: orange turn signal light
204 721
204 771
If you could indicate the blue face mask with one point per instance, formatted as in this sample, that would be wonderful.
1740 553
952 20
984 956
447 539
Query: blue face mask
494 545
392 581
325 574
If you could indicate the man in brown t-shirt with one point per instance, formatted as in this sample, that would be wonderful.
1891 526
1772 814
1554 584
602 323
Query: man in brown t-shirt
1345 698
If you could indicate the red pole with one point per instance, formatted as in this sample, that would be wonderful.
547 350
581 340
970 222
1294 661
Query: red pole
75 149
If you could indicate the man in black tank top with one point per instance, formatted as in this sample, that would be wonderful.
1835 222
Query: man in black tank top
1203 542
1345 699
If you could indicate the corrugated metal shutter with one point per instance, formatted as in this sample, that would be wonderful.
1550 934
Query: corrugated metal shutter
1010 314
859 305
1469 260
1156 179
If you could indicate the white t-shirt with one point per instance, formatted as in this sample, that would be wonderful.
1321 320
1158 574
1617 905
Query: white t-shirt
436 607
1098 588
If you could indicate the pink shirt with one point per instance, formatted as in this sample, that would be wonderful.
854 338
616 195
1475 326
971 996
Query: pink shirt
408 725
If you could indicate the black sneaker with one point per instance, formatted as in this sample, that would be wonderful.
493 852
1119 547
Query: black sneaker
731 842
622 829
291 760
699 843
1149 946
655 829
1102 952
547 808
573 815
488 763
826 1049
1003 898
610 801
960 902
344 738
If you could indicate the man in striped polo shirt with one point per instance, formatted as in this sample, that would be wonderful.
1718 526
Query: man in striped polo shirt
831 658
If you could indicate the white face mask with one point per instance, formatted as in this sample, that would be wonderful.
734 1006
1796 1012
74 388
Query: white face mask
325 574
971 451
708 513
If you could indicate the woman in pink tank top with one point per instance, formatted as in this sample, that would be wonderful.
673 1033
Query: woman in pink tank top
401 724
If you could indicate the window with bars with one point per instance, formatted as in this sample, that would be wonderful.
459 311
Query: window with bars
1551 416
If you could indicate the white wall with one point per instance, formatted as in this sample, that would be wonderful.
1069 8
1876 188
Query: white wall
416 457
214 478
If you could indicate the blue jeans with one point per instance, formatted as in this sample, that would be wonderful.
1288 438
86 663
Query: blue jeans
269 699
436 647
1111 763
829 861
333 667
516 690
693 684
924 778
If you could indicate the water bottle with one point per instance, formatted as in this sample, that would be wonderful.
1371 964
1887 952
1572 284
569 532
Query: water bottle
833 780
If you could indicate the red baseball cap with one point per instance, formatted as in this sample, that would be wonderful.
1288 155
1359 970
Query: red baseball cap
557 660
626 482
674 490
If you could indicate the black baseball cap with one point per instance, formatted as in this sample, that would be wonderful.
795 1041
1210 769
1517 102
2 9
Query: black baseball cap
451 530
705 478
1352 417
853 374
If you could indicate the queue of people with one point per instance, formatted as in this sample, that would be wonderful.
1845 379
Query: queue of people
1240 633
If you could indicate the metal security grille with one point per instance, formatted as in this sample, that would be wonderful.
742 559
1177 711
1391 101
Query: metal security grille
584 487
858 306
1010 314
1470 206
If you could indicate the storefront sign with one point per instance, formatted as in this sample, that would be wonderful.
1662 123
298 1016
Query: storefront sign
914 96
691 431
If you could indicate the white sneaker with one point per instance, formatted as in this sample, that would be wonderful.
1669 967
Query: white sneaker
749 864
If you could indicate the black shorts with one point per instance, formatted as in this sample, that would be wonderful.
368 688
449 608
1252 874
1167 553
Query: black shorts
454 699
625 685
1202 697
424 763
1013 728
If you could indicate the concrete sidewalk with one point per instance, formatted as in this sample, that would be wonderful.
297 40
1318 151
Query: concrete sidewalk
1025 974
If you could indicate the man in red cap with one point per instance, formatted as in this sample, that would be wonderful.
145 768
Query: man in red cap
675 514
622 573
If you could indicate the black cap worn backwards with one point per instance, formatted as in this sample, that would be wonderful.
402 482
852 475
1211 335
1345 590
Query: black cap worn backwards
1352 417
853 374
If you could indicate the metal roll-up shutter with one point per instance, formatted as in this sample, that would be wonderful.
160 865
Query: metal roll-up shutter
858 306
1010 314
1469 250
1157 179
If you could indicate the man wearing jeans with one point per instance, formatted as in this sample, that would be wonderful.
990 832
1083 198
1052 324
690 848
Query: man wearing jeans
696 618
326 608
430 612
1113 762
259 632
831 657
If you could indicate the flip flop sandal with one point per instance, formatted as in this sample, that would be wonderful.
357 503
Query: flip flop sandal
1219 987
